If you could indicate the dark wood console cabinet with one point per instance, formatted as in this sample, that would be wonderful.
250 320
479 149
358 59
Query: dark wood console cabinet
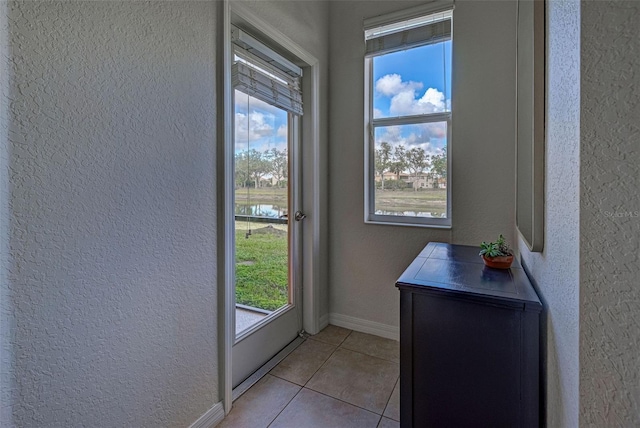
469 342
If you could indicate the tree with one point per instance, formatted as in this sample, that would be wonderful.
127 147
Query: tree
417 162
399 161
258 166
383 160
241 169
278 164
250 166
439 167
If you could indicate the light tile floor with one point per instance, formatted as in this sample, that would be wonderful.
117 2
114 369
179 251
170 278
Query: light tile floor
336 379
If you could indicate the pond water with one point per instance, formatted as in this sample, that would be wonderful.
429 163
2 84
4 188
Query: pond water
411 213
276 211
260 210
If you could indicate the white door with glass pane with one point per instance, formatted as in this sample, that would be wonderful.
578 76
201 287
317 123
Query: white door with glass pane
268 312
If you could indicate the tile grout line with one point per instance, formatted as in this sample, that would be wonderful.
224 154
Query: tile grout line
338 346
286 380
369 355
267 367
344 402
354 350
389 400
314 373
363 353
285 406
309 389
329 343
303 386
325 361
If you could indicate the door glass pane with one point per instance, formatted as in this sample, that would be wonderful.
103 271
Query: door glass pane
261 208
410 166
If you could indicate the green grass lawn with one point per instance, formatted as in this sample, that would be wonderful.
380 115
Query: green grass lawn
430 200
424 200
261 266
261 260
262 195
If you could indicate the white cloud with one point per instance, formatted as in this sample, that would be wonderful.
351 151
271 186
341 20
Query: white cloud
427 136
433 97
436 130
392 84
259 129
253 126
413 137
406 99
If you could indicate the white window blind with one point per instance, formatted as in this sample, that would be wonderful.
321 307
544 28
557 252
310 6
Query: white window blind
410 33
258 77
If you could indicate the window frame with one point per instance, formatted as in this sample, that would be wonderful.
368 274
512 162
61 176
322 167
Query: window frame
371 123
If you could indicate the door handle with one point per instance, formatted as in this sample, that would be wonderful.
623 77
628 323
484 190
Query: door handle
299 216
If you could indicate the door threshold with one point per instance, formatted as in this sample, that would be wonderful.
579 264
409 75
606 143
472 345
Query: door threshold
266 368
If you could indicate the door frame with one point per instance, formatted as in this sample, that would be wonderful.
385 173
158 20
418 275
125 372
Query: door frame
310 184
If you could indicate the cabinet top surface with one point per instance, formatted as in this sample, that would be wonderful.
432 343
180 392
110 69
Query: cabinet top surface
458 269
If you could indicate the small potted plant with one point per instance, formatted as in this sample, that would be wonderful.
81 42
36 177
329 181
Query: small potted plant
497 254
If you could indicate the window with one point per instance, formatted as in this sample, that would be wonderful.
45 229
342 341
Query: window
408 119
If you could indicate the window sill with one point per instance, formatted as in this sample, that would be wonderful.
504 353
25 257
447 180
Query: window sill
423 225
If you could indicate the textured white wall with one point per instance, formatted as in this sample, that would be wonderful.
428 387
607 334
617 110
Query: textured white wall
556 270
6 380
610 215
112 264
365 260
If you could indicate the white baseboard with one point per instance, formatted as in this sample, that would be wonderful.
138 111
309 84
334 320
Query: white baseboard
210 418
365 326
323 321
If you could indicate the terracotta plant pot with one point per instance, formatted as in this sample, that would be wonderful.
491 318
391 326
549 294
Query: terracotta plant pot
500 262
